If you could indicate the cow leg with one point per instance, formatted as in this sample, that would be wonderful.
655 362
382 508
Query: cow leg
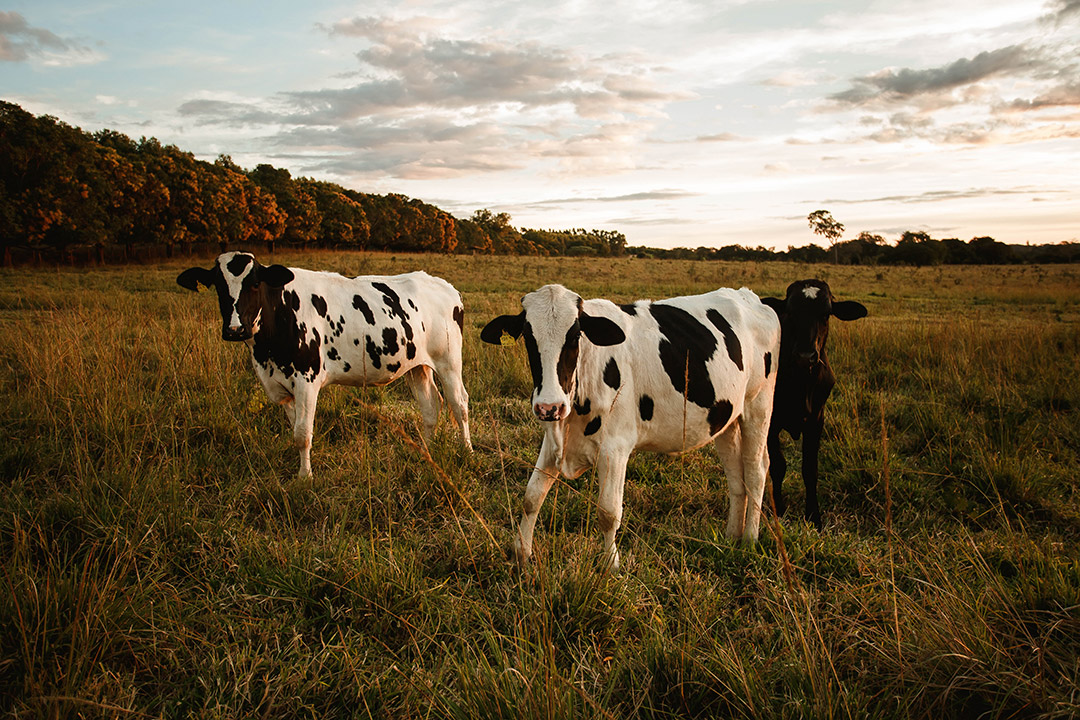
422 383
543 477
728 446
777 470
303 414
456 397
278 393
811 446
609 510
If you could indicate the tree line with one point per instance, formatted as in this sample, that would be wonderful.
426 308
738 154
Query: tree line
63 188
105 194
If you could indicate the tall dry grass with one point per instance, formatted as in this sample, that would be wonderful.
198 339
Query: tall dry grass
160 558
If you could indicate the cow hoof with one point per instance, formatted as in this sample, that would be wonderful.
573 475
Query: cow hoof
519 555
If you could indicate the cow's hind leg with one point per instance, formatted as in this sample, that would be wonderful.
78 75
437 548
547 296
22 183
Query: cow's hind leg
728 445
755 460
449 372
421 381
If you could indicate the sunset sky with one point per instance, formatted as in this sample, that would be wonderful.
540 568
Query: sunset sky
680 122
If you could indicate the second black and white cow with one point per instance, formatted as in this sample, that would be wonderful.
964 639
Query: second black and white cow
309 329
667 376
805 380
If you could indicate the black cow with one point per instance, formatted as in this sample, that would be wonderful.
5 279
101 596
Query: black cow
804 380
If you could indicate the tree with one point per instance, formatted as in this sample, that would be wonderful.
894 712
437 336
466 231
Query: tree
823 224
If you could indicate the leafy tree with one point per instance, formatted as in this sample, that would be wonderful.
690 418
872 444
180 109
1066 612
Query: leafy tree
823 224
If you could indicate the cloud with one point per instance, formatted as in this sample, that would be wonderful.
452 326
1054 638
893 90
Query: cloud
1062 11
21 42
898 86
933 196
718 137
410 68
1067 95
426 105
645 196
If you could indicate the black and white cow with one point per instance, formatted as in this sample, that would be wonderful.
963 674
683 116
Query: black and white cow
804 381
308 329
665 376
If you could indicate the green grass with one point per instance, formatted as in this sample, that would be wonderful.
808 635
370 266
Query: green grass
159 556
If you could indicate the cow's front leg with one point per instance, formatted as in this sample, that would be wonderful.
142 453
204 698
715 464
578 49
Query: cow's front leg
777 470
611 468
811 446
543 477
305 397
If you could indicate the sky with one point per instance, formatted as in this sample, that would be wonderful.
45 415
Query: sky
676 122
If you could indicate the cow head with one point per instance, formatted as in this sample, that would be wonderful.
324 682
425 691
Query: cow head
552 323
804 319
241 284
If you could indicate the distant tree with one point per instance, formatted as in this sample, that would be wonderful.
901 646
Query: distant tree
823 224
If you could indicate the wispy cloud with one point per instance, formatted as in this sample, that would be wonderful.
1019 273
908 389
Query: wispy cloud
425 105
899 86
22 42
934 196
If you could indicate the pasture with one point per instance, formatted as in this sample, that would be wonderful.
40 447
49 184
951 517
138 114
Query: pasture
160 558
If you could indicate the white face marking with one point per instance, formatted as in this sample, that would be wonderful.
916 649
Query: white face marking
810 292
234 283
550 312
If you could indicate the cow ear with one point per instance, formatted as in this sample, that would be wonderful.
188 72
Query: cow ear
191 278
276 275
778 305
600 330
510 324
848 310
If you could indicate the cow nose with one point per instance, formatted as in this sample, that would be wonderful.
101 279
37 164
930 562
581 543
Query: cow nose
808 357
550 411
234 332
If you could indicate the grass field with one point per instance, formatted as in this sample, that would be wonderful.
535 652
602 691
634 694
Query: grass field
160 558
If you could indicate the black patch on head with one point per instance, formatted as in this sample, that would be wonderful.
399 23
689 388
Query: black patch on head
238 263
533 352
583 408
568 357
731 340
685 349
612 378
719 414
768 363
593 426
359 304
629 309
459 317
645 408
319 303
